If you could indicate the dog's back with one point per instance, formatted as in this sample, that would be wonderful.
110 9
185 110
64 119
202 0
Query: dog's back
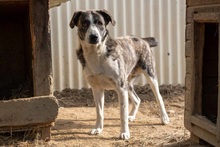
138 51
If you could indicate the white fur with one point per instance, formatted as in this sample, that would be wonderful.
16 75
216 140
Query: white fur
92 30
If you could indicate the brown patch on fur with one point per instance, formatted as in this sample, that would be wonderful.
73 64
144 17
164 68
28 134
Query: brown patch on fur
143 52
80 56
75 19
146 60
135 39
107 16
111 46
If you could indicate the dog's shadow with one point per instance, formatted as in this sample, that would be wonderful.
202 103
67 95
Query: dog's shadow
81 128
65 124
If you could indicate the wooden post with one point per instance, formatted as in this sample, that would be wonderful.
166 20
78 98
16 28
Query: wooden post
45 134
42 66
199 29
218 117
40 37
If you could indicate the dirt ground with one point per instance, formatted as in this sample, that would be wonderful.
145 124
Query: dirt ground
77 116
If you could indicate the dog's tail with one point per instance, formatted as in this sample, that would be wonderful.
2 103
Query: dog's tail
153 42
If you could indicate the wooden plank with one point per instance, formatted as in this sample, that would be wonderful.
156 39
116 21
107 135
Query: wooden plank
41 45
198 60
189 84
204 123
188 48
190 75
28 111
218 111
194 138
45 134
25 128
206 17
13 1
189 95
201 2
188 65
203 10
187 120
205 135
55 3
189 31
187 100
189 15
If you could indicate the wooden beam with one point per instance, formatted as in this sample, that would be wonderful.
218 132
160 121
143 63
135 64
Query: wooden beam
201 2
205 135
45 134
15 1
55 3
199 41
41 45
206 17
37 127
218 117
28 111
204 123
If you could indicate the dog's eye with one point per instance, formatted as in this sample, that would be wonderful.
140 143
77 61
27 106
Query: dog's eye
100 23
85 24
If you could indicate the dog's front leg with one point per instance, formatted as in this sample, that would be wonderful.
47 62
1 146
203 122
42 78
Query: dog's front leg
123 100
98 95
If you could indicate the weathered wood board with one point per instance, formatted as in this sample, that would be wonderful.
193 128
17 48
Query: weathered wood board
55 3
28 111
201 2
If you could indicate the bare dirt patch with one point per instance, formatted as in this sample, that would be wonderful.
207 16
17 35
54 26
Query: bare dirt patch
77 116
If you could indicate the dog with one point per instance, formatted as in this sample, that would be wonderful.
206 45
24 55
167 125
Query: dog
113 64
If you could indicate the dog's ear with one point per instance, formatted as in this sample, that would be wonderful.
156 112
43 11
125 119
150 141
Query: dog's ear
75 19
106 16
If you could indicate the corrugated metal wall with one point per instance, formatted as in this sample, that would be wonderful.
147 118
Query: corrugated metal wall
164 19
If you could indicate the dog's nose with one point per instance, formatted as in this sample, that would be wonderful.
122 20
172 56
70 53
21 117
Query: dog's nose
93 39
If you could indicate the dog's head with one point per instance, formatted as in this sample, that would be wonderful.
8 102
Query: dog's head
91 25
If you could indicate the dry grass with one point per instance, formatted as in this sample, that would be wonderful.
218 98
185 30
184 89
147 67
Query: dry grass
21 138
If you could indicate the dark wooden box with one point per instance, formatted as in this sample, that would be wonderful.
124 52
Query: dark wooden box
26 99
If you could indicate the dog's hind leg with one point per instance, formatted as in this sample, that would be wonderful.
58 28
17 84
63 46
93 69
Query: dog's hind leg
155 88
135 102
98 95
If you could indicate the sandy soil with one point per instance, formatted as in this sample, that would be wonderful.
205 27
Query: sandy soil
77 116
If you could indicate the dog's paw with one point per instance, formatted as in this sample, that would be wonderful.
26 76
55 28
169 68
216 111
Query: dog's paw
131 118
165 119
125 136
95 131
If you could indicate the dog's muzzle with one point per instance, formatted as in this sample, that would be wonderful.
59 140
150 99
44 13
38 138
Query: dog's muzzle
93 39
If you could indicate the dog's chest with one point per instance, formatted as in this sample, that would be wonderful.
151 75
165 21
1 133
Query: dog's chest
101 71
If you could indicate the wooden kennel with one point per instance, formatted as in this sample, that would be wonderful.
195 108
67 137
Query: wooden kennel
26 100
202 50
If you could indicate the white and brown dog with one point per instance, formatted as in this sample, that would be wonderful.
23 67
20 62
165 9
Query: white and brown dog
114 64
